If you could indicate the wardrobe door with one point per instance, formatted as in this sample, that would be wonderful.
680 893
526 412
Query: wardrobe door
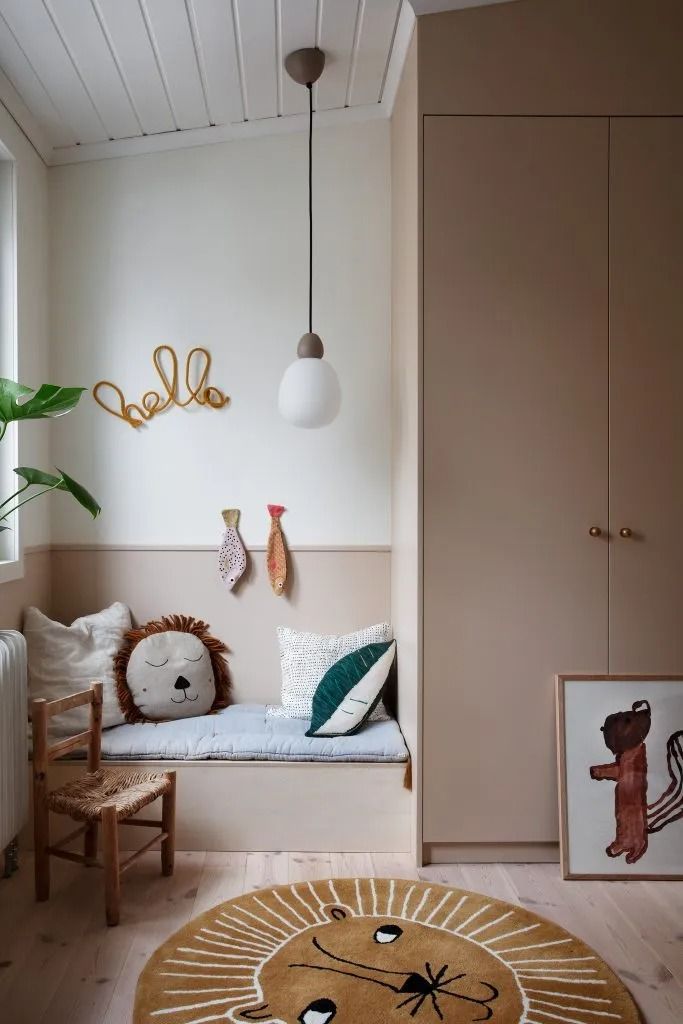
646 392
515 460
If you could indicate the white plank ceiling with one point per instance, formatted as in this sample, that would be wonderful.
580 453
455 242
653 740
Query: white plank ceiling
88 79
93 78
436 6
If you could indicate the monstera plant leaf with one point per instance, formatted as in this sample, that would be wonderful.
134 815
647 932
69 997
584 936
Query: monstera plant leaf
63 482
48 401
19 402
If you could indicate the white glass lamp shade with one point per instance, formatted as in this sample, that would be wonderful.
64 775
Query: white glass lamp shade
309 394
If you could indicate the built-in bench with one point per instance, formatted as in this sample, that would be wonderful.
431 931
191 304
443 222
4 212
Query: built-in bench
249 781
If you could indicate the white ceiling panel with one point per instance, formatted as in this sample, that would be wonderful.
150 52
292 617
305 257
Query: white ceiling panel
298 27
78 25
39 38
171 35
214 33
98 78
337 33
19 71
256 27
123 24
375 35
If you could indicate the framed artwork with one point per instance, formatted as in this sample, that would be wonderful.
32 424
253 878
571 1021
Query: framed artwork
620 761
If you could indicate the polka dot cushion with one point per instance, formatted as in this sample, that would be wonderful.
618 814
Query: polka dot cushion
306 657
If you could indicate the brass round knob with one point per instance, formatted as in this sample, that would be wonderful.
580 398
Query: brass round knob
625 532
595 531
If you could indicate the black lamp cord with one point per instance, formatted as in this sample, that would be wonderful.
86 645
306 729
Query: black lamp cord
309 86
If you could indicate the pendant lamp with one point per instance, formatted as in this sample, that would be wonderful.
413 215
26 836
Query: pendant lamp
309 394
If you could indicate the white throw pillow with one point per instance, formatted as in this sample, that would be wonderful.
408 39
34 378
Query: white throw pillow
65 659
306 657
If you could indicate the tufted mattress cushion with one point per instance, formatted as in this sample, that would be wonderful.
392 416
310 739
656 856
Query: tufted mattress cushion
244 732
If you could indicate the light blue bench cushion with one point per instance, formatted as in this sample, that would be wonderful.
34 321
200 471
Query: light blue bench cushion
244 732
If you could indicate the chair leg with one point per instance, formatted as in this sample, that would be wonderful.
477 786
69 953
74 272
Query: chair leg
168 825
41 837
90 844
110 852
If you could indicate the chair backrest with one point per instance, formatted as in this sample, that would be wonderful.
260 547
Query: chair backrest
43 710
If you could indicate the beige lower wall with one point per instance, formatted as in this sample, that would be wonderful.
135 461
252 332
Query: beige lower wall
32 588
331 591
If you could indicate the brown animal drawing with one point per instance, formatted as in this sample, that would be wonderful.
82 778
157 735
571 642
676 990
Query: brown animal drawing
625 733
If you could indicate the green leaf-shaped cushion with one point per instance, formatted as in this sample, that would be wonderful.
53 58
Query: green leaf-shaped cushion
349 691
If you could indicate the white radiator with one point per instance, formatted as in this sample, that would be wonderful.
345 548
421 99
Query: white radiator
13 736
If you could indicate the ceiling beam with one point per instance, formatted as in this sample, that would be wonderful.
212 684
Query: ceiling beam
438 6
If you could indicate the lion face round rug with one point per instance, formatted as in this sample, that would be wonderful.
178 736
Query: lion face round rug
377 951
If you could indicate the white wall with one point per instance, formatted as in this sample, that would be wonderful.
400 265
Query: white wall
208 246
32 309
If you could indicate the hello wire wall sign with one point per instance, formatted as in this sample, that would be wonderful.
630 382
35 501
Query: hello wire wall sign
197 364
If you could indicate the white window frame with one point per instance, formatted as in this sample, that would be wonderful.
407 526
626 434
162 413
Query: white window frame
11 547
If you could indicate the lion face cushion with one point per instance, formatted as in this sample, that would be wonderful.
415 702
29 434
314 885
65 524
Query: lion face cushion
171 668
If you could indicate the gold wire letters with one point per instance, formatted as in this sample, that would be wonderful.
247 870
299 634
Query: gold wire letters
152 402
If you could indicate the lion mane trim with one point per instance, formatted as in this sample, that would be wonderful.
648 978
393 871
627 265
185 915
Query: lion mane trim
177 624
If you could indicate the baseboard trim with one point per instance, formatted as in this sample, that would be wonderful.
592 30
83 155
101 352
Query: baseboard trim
490 853
350 548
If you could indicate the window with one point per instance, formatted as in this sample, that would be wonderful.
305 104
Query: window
10 546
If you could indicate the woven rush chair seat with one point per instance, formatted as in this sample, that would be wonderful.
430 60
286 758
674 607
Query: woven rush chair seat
127 791
103 799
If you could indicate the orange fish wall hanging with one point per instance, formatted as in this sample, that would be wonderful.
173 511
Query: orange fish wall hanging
276 553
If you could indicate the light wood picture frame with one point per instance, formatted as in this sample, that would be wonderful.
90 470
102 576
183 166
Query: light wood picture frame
620 776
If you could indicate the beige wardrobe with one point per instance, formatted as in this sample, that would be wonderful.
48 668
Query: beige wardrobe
552 400
553 362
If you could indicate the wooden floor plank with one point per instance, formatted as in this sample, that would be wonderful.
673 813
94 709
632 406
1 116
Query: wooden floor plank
351 865
21 919
58 937
87 986
393 865
657 925
445 874
585 909
222 878
490 879
168 904
266 869
306 867
60 964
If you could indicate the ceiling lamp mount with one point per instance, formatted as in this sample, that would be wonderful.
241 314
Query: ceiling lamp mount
305 66
309 393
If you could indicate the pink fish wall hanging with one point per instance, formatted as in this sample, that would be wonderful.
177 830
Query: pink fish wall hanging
232 558
276 554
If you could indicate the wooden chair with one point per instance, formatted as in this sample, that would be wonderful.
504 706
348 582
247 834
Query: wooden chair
102 795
